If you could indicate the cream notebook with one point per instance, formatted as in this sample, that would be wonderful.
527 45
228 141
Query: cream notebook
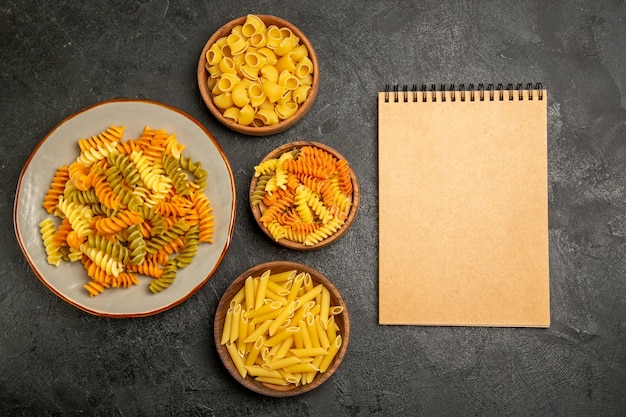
463 206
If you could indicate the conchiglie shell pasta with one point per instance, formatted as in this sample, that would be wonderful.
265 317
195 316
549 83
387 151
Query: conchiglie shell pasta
239 95
273 58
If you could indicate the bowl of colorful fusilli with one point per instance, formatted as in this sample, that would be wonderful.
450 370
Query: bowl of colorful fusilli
304 195
258 75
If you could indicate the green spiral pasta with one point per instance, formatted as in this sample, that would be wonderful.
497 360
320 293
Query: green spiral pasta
157 242
165 280
136 245
126 167
190 248
259 190
73 194
195 168
111 247
177 175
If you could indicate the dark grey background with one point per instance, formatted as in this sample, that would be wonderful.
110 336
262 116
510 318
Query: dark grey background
58 57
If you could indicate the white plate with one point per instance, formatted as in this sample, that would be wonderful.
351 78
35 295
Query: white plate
60 147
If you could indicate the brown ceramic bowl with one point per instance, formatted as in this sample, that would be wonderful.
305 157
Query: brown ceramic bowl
257 209
342 321
252 130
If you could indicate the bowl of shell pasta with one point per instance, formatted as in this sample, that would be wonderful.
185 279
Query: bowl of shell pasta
258 75
282 328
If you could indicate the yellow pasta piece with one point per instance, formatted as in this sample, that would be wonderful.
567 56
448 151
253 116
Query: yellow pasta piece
258 331
310 352
273 91
234 327
303 68
249 295
228 321
254 351
324 306
286 110
266 116
281 363
237 359
269 73
214 55
252 25
256 370
332 352
280 319
227 82
273 381
223 101
274 37
269 307
283 276
232 113
246 115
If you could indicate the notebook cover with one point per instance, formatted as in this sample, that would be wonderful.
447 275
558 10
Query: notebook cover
463 212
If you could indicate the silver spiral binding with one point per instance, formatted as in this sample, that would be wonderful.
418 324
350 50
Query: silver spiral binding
481 92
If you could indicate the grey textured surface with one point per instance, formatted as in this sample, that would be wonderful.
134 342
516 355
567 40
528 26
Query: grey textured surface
57 57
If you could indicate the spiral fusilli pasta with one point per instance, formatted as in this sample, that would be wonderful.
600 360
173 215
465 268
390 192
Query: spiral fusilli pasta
304 195
127 208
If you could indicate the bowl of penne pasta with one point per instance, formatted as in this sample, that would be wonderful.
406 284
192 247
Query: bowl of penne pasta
282 329
304 195
258 75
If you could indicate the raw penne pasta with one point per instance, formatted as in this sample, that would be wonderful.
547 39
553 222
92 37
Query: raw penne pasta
284 347
281 335
249 294
228 322
306 337
336 310
260 292
281 318
332 351
302 367
321 333
269 307
258 331
281 363
306 352
256 370
283 276
312 328
295 287
282 341
311 294
324 306
273 381
237 359
254 351
267 316
277 289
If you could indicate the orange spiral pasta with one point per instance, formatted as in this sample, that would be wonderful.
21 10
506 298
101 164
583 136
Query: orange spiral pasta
51 199
123 219
127 208
110 135
304 194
